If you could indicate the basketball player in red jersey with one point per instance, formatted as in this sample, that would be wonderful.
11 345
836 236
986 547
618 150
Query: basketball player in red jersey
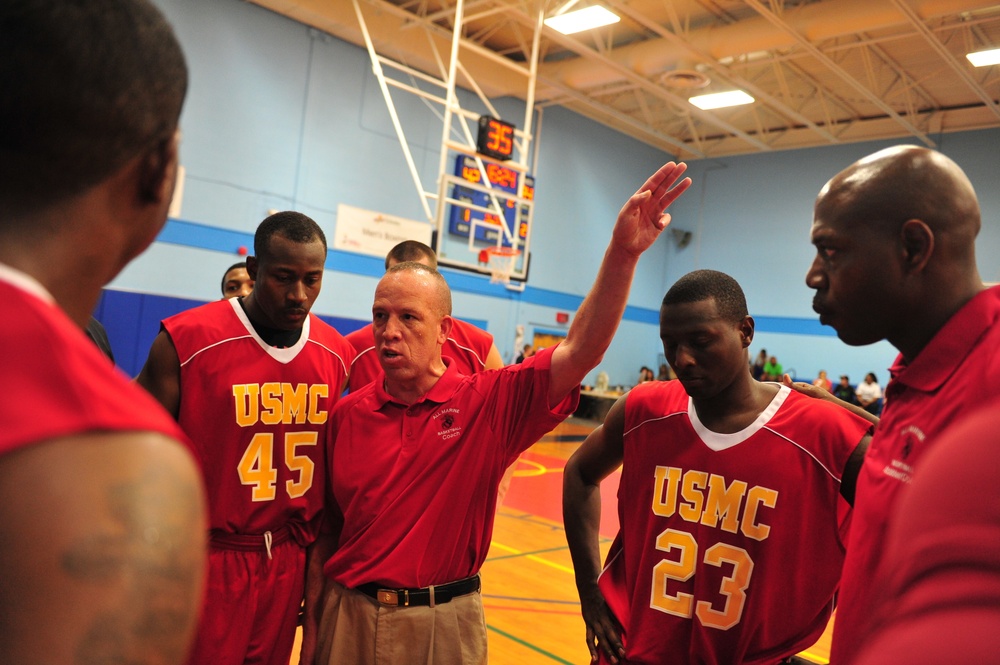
101 506
730 503
471 349
252 381
236 282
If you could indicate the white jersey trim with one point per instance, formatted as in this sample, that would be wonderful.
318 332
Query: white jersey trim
25 282
336 355
283 356
482 363
719 442
361 353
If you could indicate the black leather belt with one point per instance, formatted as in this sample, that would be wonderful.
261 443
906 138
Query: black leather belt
428 596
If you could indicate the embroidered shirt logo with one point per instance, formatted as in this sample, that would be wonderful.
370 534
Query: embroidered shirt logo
909 436
447 422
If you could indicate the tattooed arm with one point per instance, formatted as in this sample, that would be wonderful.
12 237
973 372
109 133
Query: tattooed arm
102 552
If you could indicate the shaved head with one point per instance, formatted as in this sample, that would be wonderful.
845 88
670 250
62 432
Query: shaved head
889 187
895 237
440 295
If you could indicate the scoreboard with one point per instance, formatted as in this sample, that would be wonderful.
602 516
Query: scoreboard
488 225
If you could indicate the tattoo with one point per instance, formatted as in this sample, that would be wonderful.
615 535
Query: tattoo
143 546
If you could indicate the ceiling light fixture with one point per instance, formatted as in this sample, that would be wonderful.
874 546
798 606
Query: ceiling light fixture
718 100
984 58
587 18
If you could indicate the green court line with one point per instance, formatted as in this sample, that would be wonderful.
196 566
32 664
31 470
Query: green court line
529 645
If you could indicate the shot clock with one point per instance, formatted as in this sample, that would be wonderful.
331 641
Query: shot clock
496 138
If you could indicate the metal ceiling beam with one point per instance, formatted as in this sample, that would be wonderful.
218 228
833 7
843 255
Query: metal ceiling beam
946 55
649 86
707 59
839 71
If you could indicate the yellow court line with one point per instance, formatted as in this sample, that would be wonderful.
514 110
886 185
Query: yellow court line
538 559
539 469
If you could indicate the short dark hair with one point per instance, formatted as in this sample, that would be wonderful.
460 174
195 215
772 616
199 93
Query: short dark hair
411 250
288 224
710 284
87 86
238 264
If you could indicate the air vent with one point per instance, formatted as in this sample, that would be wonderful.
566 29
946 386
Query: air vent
685 79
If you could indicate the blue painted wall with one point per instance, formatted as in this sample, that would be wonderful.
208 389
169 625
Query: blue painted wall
281 117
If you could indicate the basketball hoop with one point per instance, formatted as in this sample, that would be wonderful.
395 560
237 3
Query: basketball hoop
501 261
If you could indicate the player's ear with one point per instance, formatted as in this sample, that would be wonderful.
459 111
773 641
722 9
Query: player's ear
746 330
252 267
158 171
918 244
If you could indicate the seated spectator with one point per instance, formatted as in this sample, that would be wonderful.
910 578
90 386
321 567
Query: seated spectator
845 391
527 352
822 382
646 374
869 393
757 369
772 370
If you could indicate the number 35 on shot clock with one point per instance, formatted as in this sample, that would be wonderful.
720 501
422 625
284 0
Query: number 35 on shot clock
496 138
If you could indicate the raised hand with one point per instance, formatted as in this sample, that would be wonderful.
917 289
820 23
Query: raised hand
642 218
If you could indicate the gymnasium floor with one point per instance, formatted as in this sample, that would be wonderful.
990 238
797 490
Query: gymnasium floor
532 611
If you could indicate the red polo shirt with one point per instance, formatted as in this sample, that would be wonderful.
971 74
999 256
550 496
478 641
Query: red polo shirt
467 345
956 372
417 484
943 581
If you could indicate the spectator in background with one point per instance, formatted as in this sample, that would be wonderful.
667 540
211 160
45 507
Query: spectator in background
526 352
666 374
646 374
757 369
822 382
844 390
99 336
869 393
236 282
772 370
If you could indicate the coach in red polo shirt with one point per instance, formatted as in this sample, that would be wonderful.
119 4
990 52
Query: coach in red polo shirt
416 457
895 259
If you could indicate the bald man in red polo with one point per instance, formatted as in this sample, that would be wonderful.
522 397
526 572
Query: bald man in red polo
416 460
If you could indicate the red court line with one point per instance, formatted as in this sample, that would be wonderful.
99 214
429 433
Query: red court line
541 494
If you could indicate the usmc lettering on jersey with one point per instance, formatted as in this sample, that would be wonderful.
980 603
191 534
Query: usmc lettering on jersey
280 403
697 496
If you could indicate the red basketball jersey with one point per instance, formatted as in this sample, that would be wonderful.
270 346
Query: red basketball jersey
730 547
61 384
467 346
257 415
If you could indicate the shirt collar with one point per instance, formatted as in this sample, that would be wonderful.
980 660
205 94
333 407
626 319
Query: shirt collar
937 361
440 392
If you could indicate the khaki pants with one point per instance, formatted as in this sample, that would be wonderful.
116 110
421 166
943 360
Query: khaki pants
356 629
